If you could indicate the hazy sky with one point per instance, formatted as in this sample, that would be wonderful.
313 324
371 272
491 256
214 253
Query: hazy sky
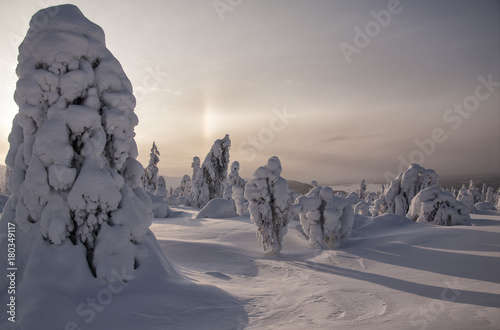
297 79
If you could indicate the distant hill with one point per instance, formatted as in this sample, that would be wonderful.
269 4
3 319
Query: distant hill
299 187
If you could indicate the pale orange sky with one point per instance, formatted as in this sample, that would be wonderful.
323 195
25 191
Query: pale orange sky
274 75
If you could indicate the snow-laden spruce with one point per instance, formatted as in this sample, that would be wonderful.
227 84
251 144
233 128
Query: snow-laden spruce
326 219
474 192
209 181
233 181
161 188
72 151
401 191
435 206
466 199
267 194
186 186
151 171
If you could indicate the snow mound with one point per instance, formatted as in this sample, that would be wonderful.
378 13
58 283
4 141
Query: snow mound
160 206
219 208
432 205
484 206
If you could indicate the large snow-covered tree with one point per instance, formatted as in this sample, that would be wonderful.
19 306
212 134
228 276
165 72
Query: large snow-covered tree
72 151
326 219
267 194
150 178
399 194
209 181
433 205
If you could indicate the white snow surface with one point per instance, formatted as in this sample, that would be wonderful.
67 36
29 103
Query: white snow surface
392 273
218 208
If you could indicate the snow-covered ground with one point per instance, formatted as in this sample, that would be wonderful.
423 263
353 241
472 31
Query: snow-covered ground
392 273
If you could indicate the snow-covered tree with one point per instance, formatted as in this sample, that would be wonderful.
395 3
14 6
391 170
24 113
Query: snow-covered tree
238 195
490 196
72 151
362 190
209 181
267 194
161 187
399 194
186 185
474 192
433 205
314 184
233 179
326 219
466 199
362 208
151 171
484 192
379 206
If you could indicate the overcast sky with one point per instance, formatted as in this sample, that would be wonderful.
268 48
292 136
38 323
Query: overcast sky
338 90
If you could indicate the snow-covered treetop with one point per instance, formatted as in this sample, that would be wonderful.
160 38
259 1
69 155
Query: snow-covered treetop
195 165
154 155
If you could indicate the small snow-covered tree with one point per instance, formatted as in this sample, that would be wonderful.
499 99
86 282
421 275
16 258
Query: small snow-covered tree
151 171
362 190
161 187
326 219
212 174
238 195
474 192
399 194
186 186
267 194
362 208
466 199
72 151
314 184
233 179
490 196
433 205
483 192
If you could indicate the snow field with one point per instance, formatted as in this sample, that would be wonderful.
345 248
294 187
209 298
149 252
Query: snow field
391 273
